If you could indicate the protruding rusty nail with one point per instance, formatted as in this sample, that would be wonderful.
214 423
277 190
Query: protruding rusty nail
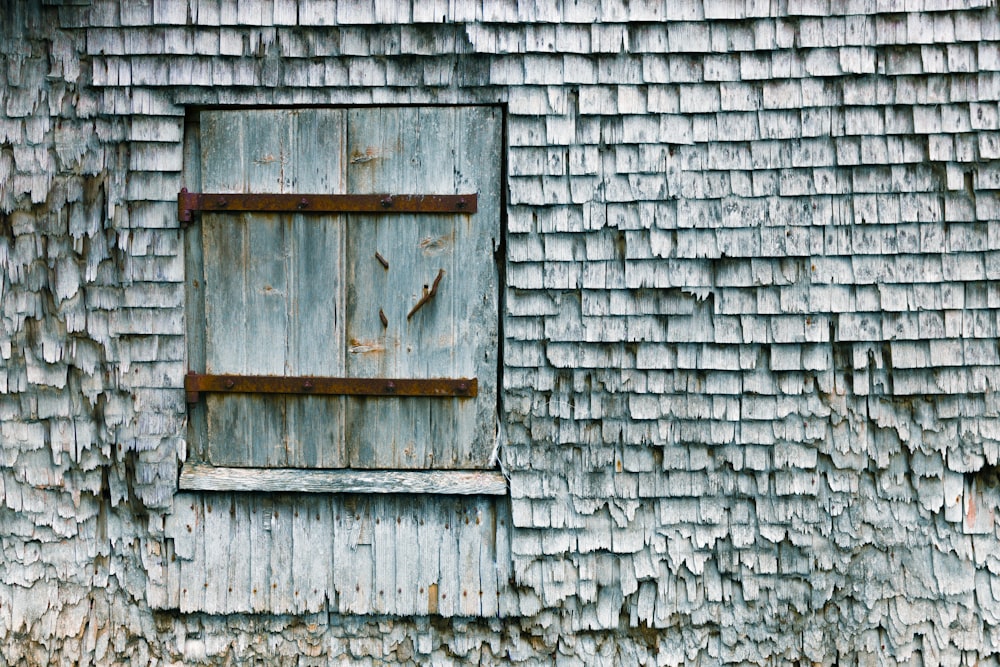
383 318
386 202
463 386
222 203
303 203
382 260
230 384
428 294
460 204
390 386
307 385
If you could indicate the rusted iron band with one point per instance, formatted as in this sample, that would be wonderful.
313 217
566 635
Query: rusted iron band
190 202
195 383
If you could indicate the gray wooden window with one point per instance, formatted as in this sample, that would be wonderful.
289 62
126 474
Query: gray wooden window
288 294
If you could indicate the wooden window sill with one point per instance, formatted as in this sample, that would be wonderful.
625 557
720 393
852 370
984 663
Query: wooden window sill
201 477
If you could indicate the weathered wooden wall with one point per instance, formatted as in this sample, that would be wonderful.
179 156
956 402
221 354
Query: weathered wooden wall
750 322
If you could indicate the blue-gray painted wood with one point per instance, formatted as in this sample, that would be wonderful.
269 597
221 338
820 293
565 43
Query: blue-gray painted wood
304 295
273 286
432 151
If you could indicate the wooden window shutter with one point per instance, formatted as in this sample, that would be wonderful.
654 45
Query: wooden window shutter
346 295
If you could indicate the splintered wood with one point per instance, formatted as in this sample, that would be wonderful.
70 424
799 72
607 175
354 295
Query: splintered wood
290 553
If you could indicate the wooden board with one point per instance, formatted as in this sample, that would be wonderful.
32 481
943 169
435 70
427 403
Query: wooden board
306 294
199 477
194 297
352 554
434 151
273 288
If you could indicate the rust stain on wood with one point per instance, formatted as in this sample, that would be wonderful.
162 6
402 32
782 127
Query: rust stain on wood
370 153
432 599
365 347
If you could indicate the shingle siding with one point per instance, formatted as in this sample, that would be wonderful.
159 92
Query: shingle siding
750 321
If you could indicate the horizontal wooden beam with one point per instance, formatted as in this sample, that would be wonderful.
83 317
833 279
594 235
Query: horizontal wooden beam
202 477
189 203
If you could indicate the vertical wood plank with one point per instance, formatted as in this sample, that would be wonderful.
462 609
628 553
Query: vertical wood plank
194 297
172 577
179 529
407 554
156 573
470 546
393 433
316 283
267 159
193 570
218 541
429 530
332 507
357 599
434 333
267 327
354 574
237 567
486 516
316 423
449 587
281 583
260 552
225 242
479 149
312 561
412 150
385 554
225 250
222 156
341 528
507 602
278 277
371 136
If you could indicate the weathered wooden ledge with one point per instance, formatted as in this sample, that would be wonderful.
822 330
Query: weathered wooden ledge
201 477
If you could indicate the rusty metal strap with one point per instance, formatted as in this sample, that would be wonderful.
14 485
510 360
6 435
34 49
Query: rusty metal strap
190 202
195 383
